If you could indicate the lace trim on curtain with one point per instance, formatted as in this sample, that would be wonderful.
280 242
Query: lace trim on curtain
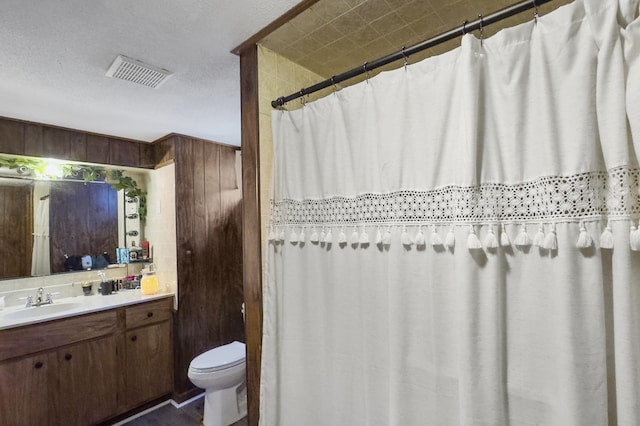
612 194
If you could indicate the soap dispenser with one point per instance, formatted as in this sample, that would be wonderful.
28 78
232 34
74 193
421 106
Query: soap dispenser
149 281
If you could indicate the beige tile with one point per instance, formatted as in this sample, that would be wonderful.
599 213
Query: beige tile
266 61
286 34
307 44
331 9
348 22
308 21
388 23
284 68
364 35
327 34
428 26
413 11
455 14
380 46
404 36
354 3
371 10
396 4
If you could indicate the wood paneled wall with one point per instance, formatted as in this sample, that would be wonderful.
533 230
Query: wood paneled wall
15 231
81 231
209 252
19 137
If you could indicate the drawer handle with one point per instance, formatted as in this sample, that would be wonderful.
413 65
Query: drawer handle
39 364
68 357
149 314
134 338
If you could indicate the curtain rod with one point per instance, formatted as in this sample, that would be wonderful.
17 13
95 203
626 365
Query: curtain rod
466 27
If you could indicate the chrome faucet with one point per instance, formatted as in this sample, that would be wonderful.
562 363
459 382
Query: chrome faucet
39 298
47 300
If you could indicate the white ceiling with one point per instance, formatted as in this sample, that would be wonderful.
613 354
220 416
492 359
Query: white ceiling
54 56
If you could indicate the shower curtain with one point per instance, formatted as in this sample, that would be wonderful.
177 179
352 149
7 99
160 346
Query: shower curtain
40 256
456 243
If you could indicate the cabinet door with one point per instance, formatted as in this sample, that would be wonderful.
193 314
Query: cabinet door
88 382
25 390
149 372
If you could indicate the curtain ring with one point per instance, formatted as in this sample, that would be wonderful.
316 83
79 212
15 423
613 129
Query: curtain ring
535 11
333 81
303 101
366 71
464 27
481 29
404 56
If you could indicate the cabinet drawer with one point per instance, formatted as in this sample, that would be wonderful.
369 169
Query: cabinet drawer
29 339
148 313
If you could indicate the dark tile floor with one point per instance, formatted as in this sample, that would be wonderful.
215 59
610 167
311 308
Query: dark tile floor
168 415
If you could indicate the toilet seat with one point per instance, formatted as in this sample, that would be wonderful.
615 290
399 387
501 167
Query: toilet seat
220 358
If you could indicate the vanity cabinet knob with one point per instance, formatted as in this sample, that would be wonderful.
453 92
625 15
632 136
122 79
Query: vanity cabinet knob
68 357
134 338
149 314
38 364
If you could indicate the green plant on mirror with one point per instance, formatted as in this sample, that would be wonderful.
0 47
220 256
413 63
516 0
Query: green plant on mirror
115 178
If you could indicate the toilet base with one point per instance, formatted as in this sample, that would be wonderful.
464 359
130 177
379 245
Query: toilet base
225 406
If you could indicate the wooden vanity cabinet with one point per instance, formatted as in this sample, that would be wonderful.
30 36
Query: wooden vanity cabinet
86 369
149 365
25 390
87 385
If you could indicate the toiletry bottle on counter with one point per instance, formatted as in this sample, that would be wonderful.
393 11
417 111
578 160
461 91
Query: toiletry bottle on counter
149 281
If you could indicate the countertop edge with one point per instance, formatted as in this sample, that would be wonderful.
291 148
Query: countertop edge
90 304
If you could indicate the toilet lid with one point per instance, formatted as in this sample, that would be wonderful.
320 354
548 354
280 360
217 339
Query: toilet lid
220 358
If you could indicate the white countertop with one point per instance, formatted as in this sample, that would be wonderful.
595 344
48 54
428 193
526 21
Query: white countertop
17 316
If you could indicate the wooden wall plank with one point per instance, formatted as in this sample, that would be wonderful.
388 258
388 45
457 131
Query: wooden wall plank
11 137
164 150
147 156
33 140
15 229
229 236
98 149
124 152
189 301
63 144
251 246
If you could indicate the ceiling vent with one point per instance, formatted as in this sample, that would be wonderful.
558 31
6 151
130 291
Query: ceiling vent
137 72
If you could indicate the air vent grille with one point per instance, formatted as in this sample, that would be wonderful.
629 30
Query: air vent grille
137 72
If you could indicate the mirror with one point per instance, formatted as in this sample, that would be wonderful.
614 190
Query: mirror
49 225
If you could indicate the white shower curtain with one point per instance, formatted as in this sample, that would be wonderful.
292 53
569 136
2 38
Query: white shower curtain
40 256
455 243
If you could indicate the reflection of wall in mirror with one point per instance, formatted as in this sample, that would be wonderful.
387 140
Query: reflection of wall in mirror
83 219
15 228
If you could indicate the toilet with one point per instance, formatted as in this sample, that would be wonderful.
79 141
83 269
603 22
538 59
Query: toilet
221 373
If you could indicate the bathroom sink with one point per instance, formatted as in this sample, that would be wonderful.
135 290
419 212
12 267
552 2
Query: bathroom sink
43 310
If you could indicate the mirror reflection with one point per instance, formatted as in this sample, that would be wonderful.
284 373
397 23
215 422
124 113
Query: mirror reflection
53 226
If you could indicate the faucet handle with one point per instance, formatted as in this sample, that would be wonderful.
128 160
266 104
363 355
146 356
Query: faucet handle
49 298
29 300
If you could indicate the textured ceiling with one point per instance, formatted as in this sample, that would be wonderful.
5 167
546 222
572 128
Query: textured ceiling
334 36
54 55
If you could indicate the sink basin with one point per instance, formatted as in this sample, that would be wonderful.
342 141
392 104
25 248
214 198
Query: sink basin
43 310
